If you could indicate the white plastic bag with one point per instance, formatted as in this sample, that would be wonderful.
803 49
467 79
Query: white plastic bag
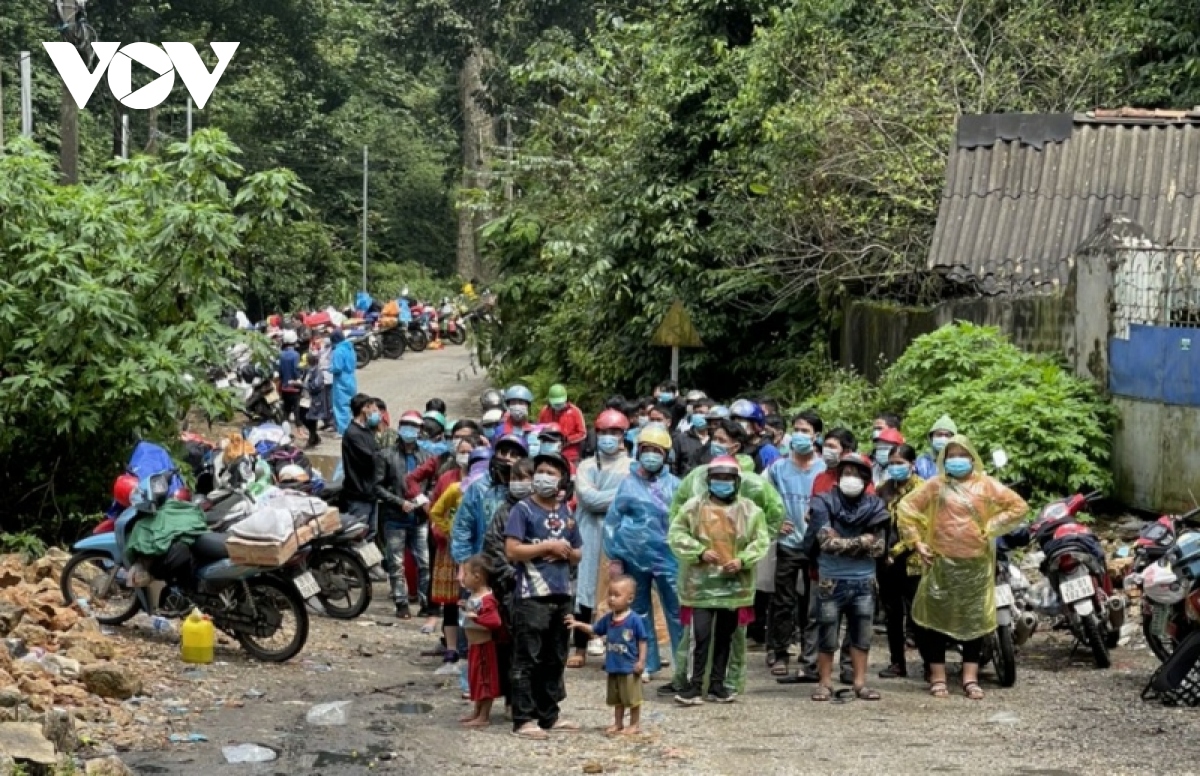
268 523
337 713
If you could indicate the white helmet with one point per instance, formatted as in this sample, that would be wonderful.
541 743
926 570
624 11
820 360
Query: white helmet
289 337
293 473
1160 584
493 416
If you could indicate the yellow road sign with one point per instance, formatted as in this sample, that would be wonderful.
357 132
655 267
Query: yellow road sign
676 330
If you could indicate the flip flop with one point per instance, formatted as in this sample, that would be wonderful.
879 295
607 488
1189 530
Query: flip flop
865 693
565 726
779 669
843 696
576 661
532 732
822 694
798 679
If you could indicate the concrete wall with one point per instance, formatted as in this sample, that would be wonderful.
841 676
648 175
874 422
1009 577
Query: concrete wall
1156 454
874 334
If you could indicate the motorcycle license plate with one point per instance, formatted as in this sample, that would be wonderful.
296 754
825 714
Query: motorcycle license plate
370 555
307 585
222 384
272 397
1076 589
1004 596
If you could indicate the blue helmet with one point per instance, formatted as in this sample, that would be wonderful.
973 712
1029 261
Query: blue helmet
513 439
518 393
744 409
479 454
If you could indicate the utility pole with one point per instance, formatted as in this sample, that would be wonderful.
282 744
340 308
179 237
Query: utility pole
26 96
508 142
1 109
189 134
364 220
124 135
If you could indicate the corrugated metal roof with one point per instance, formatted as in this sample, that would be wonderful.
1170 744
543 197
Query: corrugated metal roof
1012 213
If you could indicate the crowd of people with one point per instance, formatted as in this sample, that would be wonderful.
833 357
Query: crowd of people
539 539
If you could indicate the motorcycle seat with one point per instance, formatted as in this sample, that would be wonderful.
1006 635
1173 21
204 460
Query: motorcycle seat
210 548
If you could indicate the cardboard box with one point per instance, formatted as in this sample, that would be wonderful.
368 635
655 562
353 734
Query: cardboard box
268 554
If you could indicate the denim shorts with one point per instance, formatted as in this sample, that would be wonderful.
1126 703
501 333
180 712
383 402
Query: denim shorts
855 600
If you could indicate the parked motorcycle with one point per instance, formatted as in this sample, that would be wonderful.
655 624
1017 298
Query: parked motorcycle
1165 620
362 351
261 401
251 604
1075 567
415 334
393 342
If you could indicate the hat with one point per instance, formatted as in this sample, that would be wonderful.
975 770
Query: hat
558 392
857 460
725 464
944 423
412 417
289 337
436 417
889 436
555 460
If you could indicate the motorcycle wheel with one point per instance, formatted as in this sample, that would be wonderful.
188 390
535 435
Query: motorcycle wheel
1162 647
393 346
456 337
104 565
363 353
418 340
1004 656
1094 634
273 600
344 580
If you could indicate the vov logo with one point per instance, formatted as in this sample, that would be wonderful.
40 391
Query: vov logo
172 58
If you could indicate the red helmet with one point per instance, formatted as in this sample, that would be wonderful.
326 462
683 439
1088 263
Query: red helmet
612 419
124 488
889 436
725 464
413 417
551 431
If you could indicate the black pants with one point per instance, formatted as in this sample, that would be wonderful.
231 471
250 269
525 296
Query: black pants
711 628
541 640
314 437
579 637
757 630
291 405
897 589
934 645
788 601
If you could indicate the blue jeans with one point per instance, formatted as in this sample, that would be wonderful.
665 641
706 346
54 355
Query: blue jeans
852 598
360 512
669 597
397 539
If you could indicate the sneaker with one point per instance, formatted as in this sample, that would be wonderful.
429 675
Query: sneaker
690 697
667 690
447 669
595 648
718 693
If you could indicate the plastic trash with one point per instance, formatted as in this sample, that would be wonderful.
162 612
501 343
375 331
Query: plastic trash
253 694
189 738
1032 560
248 753
336 713
1004 718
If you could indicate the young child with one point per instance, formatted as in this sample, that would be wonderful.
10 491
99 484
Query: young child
483 628
626 639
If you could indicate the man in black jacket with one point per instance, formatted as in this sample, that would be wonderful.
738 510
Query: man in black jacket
359 461
402 517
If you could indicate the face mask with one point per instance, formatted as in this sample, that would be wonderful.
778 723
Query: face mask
608 444
882 454
545 485
666 398
851 486
722 489
550 447
718 449
899 472
462 459
643 420
490 431
500 470
801 443
959 467
518 413
699 422
830 456
520 490
409 434
939 443
535 447
557 405
875 432
374 419
651 462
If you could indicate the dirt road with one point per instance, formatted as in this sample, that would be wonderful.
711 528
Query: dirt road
1063 718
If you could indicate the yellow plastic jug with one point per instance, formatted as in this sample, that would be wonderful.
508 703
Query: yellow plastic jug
197 638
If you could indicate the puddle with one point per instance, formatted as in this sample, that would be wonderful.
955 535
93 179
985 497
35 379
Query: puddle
409 708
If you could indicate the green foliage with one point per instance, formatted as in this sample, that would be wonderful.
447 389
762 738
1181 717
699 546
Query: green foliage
387 280
109 301
848 400
22 543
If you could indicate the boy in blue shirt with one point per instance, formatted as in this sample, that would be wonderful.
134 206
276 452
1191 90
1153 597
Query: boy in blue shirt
626 640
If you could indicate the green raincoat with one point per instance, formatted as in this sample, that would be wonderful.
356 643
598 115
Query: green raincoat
959 520
174 521
734 531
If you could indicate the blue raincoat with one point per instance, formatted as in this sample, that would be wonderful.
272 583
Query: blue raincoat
480 501
345 383
596 483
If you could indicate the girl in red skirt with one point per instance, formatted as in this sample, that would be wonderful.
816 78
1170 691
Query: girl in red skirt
483 629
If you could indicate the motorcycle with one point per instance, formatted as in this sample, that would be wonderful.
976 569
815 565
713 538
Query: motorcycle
1164 607
1014 623
393 342
248 603
415 333
1075 567
261 401
362 351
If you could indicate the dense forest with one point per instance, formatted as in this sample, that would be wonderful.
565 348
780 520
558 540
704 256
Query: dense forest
591 162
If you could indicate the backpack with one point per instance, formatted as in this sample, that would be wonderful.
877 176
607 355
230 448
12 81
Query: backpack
288 455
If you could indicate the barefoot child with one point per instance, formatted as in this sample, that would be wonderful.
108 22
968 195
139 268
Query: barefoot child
483 628
627 639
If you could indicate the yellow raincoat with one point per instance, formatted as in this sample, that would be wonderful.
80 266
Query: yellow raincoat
959 520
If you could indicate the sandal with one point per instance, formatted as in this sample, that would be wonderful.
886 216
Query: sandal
822 693
939 690
894 672
973 691
576 661
565 726
531 731
780 668
865 693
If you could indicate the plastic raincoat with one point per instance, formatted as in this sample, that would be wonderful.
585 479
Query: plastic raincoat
959 520
596 484
343 366
737 530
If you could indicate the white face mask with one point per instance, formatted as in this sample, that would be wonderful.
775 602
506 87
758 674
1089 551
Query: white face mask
851 486
462 459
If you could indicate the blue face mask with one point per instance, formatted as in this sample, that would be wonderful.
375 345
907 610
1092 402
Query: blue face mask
374 419
699 422
718 449
939 444
608 444
882 455
899 472
666 398
409 434
438 449
801 443
651 462
959 467
551 447
535 447
722 489
490 431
